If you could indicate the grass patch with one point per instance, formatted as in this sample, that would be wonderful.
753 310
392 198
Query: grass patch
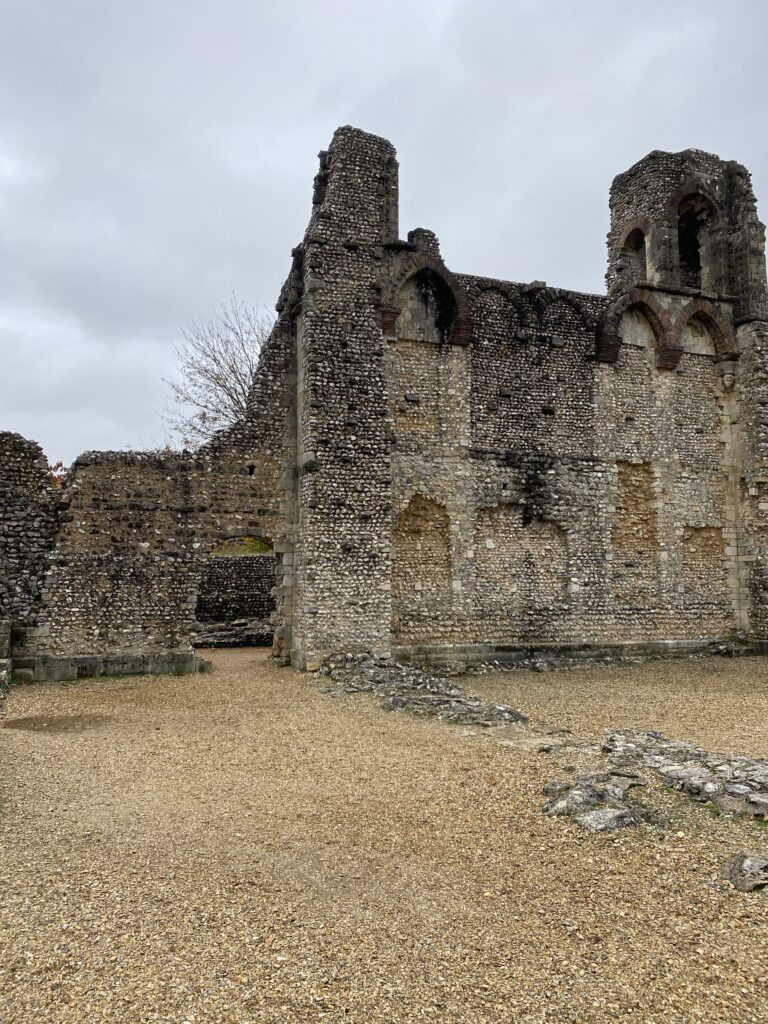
239 546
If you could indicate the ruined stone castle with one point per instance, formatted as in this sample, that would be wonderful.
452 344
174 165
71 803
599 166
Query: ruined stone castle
447 466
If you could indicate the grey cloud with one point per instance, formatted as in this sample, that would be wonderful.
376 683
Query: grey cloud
154 156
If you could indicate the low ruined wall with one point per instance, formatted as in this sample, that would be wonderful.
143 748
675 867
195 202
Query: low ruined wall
124 570
45 668
104 574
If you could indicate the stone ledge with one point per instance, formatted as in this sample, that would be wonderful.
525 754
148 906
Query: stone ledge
514 654
46 668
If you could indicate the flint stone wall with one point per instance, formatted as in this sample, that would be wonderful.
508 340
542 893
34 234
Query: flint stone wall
104 576
236 587
29 512
483 464
449 463
125 572
235 603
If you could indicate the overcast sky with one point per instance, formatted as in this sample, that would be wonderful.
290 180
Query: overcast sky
157 154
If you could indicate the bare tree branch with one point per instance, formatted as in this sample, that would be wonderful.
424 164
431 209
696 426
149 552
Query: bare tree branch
217 363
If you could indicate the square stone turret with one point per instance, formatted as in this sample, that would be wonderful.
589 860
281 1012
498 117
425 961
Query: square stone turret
687 222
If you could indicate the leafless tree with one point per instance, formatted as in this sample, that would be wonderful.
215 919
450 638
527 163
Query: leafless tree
217 361
57 474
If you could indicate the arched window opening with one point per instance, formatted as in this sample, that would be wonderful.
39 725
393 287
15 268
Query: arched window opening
698 265
633 255
427 308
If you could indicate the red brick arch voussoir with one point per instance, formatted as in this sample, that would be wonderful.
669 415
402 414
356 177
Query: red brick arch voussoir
717 325
608 339
461 329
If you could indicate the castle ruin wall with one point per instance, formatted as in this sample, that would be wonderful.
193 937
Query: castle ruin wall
452 466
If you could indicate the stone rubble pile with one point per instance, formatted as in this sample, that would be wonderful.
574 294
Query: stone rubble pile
747 871
737 785
407 688
600 802
237 633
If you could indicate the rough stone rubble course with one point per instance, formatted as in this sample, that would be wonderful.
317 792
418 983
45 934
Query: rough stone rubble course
600 802
747 871
406 688
738 785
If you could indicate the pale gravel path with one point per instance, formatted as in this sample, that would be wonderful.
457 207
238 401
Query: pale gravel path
719 703
238 847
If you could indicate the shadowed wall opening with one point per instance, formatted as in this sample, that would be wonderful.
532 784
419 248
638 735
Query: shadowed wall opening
235 603
696 244
634 256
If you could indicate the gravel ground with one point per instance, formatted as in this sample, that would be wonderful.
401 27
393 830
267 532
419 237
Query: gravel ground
719 703
238 847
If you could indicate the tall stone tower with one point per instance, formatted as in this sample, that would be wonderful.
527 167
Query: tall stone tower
686 222
336 504
686 253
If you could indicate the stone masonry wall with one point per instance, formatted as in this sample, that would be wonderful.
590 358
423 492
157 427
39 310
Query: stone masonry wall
753 343
29 513
337 573
448 463
236 587
510 463
122 572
